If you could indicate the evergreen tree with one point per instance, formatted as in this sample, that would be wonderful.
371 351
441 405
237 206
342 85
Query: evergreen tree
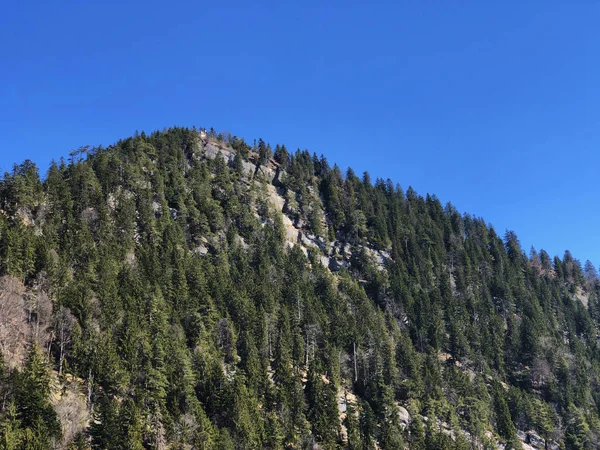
505 426
36 414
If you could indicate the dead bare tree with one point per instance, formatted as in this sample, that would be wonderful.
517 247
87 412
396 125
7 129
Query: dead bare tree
72 413
312 331
159 438
63 327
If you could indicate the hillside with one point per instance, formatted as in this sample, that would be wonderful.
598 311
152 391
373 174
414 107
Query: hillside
186 290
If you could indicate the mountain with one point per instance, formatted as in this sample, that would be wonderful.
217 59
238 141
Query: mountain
186 290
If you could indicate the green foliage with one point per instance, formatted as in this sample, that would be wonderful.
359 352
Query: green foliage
504 423
27 419
178 303
322 406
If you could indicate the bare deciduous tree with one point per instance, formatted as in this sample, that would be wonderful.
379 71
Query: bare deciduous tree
39 311
311 334
159 438
13 320
72 412
63 327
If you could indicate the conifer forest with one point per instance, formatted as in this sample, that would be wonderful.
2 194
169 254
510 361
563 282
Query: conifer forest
190 290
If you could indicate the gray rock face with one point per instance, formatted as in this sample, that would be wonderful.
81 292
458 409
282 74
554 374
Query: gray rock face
336 264
249 169
534 439
342 404
346 251
279 177
304 240
266 174
379 257
310 240
329 248
211 151
275 198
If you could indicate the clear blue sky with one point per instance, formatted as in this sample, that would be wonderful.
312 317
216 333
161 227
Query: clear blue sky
495 108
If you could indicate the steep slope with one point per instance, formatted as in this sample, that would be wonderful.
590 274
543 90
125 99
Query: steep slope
187 290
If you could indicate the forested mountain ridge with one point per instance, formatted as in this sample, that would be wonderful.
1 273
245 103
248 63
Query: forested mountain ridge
186 290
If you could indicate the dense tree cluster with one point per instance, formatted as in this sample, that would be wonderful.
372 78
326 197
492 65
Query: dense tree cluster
158 284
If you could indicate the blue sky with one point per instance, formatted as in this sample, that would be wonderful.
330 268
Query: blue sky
495 108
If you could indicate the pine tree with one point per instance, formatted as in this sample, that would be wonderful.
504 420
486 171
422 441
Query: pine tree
322 406
33 399
10 429
352 428
577 434
132 427
417 433
505 426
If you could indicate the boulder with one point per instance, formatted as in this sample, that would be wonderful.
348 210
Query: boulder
403 416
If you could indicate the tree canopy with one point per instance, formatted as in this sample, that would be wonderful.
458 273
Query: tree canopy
185 290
